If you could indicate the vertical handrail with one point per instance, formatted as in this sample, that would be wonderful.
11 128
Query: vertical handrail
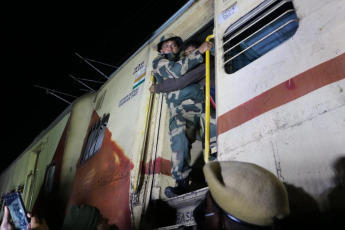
26 187
32 186
207 104
32 190
143 144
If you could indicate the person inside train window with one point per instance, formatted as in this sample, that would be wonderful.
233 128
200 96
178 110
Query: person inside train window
241 196
196 75
35 222
186 106
81 217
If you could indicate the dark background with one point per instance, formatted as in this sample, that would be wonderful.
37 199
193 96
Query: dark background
38 48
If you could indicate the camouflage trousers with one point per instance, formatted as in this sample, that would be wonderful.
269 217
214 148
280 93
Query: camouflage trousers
185 123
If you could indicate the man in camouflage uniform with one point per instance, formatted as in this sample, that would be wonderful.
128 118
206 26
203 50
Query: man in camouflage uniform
186 106
196 75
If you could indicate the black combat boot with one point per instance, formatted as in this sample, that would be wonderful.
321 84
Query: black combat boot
181 188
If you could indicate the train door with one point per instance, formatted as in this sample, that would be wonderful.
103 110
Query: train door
194 25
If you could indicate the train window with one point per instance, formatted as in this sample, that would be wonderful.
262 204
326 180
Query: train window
255 34
49 178
95 138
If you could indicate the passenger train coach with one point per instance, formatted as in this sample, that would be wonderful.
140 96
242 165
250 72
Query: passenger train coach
280 103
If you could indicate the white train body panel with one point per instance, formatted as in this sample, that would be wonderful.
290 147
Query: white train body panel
298 139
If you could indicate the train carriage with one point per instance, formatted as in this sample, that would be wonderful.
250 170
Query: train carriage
280 103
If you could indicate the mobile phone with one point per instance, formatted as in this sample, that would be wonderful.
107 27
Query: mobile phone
17 210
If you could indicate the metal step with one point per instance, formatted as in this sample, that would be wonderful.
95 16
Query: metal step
184 206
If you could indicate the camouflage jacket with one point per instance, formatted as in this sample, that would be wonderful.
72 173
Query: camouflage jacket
165 67
196 75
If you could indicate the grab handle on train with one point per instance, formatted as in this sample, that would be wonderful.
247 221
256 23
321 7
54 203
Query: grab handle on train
142 150
207 104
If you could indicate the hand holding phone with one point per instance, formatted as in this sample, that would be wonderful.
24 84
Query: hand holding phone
17 210
6 223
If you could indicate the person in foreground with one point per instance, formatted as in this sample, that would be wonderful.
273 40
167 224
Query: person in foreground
35 222
79 217
241 196
84 217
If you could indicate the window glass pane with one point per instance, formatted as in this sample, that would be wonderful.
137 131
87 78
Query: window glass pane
49 179
95 138
258 35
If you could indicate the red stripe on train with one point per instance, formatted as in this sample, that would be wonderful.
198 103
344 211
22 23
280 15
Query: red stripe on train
298 86
158 166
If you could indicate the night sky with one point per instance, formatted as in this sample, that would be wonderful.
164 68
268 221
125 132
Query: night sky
39 43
